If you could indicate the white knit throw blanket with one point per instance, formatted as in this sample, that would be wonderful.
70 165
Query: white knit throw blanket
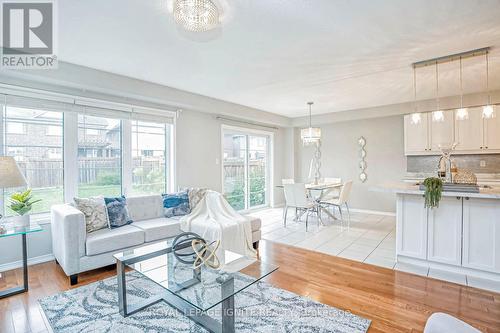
214 219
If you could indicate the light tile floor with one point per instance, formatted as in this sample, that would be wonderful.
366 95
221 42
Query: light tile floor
369 238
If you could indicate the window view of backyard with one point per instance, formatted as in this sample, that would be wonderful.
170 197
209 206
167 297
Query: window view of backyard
148 158
35 139
245 170
99 156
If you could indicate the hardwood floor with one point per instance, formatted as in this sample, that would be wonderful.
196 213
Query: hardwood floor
394 301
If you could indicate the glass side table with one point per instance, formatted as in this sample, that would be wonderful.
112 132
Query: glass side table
11 230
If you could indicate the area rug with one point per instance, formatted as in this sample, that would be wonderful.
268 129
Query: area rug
259 308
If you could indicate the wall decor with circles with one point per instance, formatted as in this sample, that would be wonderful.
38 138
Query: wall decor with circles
362 161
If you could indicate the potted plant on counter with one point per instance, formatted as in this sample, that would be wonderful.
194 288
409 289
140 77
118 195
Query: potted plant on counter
433 189
21 203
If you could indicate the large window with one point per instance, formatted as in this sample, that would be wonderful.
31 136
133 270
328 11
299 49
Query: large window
246 169
99 156
149 143
35 139
68 147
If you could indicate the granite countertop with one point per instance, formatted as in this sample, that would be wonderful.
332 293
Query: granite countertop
482 178
407 188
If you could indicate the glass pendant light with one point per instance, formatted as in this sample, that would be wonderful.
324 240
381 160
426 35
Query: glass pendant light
438 115
416 117
488 110
311 134
462 113
196 15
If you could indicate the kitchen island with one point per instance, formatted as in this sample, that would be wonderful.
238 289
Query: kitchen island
461 235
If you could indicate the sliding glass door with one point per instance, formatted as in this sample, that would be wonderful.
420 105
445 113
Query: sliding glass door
245 169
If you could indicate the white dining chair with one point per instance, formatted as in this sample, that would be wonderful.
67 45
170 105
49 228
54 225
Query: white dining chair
342 200
296 197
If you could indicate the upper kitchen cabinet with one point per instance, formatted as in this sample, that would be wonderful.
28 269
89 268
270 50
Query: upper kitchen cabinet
469 132
477 135
492 133
425 133
416 133
474 135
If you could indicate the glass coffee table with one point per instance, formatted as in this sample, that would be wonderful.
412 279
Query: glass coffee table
194 292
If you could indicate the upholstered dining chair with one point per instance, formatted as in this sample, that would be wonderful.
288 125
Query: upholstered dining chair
342 200
334 193
296 197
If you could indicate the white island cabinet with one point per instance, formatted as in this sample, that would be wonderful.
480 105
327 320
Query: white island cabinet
461 235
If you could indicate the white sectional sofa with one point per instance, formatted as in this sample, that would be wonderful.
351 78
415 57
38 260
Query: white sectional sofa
76 251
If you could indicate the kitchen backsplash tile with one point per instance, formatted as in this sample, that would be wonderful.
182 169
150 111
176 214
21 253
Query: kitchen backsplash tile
471 162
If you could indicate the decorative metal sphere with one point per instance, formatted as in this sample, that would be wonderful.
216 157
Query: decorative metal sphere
182 248
196 15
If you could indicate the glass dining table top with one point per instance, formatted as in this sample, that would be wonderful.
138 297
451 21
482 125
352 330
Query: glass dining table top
10 229
204 288
320 186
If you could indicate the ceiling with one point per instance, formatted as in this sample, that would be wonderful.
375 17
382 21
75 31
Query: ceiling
275 55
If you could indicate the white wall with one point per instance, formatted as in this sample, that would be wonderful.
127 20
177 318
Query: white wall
340 157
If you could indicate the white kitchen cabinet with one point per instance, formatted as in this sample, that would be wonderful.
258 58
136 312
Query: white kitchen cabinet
444 234
411 229
492 133
441 133
481 234
416 134
469 132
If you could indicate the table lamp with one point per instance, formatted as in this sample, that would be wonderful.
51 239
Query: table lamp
10 174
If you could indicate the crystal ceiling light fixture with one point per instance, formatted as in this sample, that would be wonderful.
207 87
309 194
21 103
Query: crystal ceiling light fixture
488 110
462 113
196 15
416 117
311 134
438 115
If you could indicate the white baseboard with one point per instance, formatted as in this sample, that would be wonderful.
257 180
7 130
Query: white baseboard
31 261
375 212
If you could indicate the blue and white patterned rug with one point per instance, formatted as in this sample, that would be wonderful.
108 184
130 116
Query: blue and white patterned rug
259 308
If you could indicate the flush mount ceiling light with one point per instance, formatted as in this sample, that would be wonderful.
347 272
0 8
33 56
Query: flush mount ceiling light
488 110
311 134
196 15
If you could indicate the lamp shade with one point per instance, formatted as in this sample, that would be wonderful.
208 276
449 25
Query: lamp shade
10 175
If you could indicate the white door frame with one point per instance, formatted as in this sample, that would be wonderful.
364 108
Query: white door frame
269 168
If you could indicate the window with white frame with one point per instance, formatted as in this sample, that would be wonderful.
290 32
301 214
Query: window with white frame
246 168
65 150
99 156
38 154
149 150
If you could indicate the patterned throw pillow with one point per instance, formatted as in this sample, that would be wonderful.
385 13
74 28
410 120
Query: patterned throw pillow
117 212
176 204
195 196
94 209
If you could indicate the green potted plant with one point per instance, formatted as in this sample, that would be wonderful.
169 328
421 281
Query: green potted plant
21 203
433 189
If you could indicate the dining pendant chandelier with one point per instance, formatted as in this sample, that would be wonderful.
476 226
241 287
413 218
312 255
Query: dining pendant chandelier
196 15
311 134
416 117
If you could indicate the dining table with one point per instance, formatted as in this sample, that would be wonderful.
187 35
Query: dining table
318 192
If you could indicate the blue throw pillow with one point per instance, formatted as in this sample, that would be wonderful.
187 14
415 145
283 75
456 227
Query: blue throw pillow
117 212
176 204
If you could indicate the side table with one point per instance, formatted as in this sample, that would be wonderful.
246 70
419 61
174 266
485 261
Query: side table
12 230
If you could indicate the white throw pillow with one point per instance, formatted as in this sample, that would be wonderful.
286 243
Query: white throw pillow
94 209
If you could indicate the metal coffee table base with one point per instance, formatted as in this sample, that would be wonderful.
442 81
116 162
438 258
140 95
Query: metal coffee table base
187 309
